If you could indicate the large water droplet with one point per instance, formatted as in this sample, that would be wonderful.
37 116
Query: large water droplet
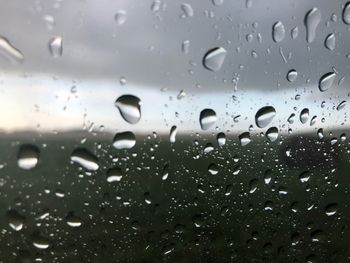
244 138
114 175
278 32
172 135
56 47
129 108
326 81
221 138
341 105
312 19
304 176
214 58
40 242
9 52
346 13
28 157
272 134
120 17
187 9
73 220
16 221
331 209
292 75
304 115
85 158
213 169
124 140
264 116
207 118
330 42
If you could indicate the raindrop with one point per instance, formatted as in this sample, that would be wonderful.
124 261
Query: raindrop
292 75
207 118
208 148
181 94
291 118
85 159
244 138
214 59
331 209
217 2
213 169
278 32
253 185
56 47
312 19
114 175
264 116
120 17
40 242
341 105
165 172
304 176
221 138
330 42
16 221
185 46
172 135
304 115
326 81
129 108
9 52
28 157
346 13
187 9
294 32
272 134
124 140
73 221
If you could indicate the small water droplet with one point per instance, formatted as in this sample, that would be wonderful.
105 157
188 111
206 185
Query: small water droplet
312 19
264 116
213 169
9 52
16 221
341 105
294 32
214 59
346 13
85 159
217 2
185 46
129 108
172 135
187 10
207 118
272 134
304 115
28 157
221 139
124 140
244 138
278 32
326 81
40 242
320 133
253 185
120 17
304 176
331 209
291 118
73 221
292 75
330 42
56 47
114 174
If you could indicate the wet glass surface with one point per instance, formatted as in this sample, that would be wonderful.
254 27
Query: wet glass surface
170 131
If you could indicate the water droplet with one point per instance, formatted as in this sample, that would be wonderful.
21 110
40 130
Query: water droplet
304 115
165 172
124 140
187 9
294 32
341 105
214 59
155 7
272 134
114 174
207 118
40 242
320 133
213 169
331 209
185 46
292 75
217 2
244 138
172 135
56 47
304 176
16 221
330 42
9 52
73 221
291 118
267 176
28 157
208 148
85 159
346 13
253 185
221 138
181 94
129 108
326 81
264 116
120 17
278 32
312 19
